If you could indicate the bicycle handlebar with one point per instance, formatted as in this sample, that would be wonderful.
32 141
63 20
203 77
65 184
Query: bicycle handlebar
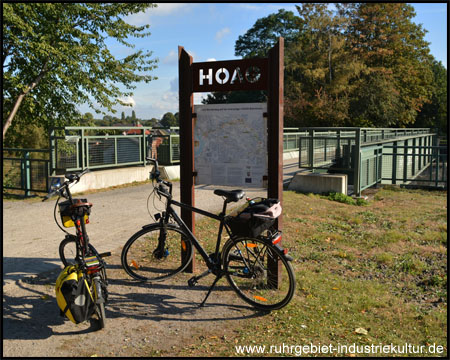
155 175
70 179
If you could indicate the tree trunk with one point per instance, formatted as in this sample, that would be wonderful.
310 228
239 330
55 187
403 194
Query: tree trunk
12 114
20 98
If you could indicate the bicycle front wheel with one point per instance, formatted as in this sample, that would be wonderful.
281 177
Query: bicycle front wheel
259 273
100 299
156 253
68 251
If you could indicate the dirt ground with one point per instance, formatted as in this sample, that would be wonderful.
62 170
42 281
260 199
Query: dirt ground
142 319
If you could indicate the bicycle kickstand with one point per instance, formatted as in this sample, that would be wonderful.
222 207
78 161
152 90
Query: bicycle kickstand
210 290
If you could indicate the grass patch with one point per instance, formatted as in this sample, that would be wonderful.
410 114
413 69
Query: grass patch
382 268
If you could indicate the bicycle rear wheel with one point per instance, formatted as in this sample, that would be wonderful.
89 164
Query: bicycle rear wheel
156 253
250 265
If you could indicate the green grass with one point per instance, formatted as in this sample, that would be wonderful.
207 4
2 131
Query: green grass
382 268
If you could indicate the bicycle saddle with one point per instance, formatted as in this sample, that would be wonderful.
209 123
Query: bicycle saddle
231 195
80 203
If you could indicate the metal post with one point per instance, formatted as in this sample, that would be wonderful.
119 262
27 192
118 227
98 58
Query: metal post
27 172
437 166
275 110
338 150
82 162
311 149
51 139
357 163
405 160
394 164
115 150
186 109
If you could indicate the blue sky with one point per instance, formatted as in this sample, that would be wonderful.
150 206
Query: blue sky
208 31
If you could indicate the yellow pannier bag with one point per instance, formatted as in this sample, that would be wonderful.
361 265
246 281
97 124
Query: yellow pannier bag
65 212
73 295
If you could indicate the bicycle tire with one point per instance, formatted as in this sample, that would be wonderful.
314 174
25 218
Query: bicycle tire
245 262
69 251
142 260
100 307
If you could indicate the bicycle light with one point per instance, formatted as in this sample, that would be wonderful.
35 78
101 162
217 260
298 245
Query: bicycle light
277 239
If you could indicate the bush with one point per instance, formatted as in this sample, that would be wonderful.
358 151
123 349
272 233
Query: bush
342 198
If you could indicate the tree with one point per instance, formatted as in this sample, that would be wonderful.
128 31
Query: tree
318 70
262 36
169 120
256 43
397 80
55 57
434 113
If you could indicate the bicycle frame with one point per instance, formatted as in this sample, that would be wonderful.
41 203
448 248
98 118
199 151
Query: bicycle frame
211 264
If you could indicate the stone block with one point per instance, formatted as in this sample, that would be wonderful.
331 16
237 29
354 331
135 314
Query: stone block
309 182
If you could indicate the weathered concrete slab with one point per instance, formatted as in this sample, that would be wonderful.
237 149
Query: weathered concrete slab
319 183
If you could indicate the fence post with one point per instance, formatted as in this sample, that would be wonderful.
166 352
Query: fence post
338 148
357 163
82 149
437 166
311 149
405 160
51 139
27 172
394 163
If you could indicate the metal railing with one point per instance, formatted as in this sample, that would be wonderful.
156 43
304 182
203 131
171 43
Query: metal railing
169 149
26 170
77 148
415 164
359 152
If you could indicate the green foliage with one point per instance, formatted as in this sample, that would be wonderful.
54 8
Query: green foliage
169 120
342 198
365 64
265 33
55 57
434 113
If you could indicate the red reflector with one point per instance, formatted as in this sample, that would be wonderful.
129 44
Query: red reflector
276 240
87 221
285 251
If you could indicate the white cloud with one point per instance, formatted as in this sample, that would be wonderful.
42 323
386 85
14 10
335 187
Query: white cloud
163 9
222 33
174 85
128 100
171 58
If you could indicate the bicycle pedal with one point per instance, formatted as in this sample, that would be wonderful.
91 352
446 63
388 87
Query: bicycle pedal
193 281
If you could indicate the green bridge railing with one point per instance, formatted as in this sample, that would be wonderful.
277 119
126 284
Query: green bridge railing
368 156
373 156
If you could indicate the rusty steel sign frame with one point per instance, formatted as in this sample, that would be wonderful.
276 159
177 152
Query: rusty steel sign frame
231 75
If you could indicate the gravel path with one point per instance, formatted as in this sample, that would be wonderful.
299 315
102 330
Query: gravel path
142 319
136 312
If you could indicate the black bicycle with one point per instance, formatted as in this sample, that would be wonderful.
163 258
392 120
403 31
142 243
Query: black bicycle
252 260
77 249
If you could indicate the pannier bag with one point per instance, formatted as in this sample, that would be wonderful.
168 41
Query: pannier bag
66 212
73 296
257 216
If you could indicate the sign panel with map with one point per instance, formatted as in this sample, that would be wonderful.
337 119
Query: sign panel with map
230 144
